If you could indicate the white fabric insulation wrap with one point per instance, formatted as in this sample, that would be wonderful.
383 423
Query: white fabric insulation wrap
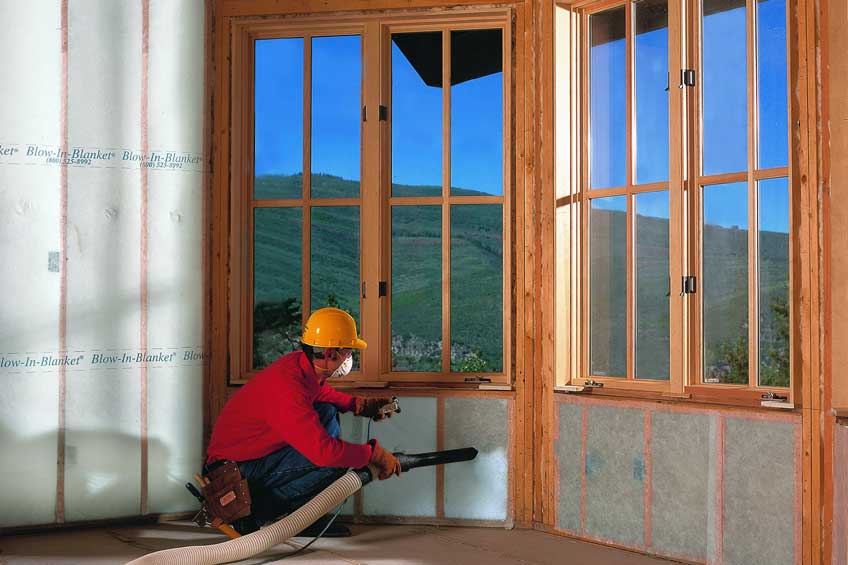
266 538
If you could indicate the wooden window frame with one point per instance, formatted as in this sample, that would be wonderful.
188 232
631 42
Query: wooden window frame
446 201
374 205
572 212
698 181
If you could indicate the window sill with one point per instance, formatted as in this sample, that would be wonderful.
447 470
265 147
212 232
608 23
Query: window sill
484 388
733 398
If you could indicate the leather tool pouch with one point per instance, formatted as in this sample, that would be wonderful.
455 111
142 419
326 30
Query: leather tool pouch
227 496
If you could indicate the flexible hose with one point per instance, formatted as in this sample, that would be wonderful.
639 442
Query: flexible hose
261 540
281 530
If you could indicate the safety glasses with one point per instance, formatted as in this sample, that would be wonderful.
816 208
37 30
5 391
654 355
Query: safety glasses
326 354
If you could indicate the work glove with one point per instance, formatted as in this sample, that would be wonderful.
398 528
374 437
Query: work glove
386 463
369 407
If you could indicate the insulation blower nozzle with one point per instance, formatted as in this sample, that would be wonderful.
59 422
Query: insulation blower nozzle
414 460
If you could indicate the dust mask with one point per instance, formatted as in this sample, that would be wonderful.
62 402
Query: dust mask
344 368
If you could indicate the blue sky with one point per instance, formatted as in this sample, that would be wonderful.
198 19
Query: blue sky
725 113
477 106
476 116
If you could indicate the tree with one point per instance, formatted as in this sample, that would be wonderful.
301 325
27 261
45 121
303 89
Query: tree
276 330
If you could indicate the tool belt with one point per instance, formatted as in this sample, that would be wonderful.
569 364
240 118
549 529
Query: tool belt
225 492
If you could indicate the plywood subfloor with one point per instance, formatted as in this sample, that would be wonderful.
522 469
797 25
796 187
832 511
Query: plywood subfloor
413 545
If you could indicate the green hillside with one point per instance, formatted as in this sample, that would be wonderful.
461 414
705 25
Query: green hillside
476 265
476 289
724 289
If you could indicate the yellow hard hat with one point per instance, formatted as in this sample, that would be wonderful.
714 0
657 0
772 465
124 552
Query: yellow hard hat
331 327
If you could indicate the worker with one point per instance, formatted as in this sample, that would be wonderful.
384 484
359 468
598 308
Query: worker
282 427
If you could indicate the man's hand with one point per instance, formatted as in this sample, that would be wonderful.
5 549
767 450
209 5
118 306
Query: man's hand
370 407
386 463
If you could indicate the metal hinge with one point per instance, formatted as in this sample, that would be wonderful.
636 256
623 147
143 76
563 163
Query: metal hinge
687 77
688 285
381 288
364 114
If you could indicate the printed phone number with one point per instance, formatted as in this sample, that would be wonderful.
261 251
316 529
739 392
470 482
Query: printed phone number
67 161
161 165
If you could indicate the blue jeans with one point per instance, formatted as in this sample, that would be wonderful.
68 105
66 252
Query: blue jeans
284 480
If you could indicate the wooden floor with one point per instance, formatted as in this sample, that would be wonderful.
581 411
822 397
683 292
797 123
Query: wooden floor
413 545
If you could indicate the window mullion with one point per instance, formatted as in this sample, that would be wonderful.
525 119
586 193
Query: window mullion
630 213
370 199
446 187
677 230
753 223
584 79
306 255
691 221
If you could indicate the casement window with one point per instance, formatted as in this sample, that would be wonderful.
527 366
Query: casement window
370 171
673 198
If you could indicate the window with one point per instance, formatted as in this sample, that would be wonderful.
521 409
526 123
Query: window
742 196
306 205
377 156
674 175
447 205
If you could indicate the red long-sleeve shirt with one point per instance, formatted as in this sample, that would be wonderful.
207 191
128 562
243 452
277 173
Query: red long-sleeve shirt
275 410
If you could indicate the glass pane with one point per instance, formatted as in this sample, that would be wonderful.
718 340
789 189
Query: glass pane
608 287
771 83
725 283
607 99
774 282
651 85
476 112
416 288
652 286
278 119
277 252
476 288
336 116
725 119
417 114
334 280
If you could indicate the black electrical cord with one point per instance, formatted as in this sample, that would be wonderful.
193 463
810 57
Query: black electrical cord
335 514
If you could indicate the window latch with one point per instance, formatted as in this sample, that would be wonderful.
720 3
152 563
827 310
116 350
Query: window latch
687 77
592 383
772 396
381 289
688 285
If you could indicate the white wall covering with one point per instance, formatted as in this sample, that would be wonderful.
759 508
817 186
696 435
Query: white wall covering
411 431
126 270
175 261
29 293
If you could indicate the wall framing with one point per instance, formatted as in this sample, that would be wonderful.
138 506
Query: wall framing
540 360
227 16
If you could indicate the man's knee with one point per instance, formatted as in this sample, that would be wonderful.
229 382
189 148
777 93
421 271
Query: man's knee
328 414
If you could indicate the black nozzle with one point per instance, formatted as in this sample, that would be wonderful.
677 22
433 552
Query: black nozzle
413 460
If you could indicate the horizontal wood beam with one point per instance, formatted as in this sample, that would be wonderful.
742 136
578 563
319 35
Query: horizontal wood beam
239 8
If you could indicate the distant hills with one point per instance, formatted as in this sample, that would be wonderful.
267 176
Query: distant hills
476 284
476 271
